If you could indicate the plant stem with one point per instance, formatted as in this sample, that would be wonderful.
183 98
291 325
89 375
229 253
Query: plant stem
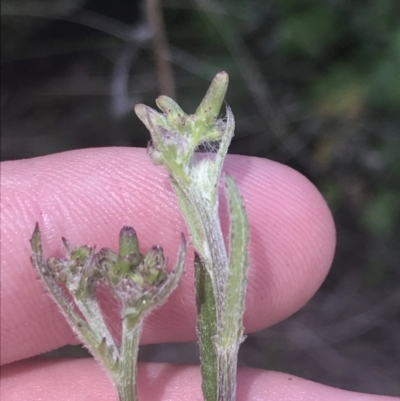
220 280
127 377
206 329
220 326
227 369
90 309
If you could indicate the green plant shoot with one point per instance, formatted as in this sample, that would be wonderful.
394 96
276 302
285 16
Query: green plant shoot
221 275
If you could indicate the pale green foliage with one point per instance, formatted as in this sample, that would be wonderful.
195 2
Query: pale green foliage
220 279
138 283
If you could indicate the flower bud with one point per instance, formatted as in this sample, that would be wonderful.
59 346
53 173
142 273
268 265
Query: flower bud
129 256
153 266
211 104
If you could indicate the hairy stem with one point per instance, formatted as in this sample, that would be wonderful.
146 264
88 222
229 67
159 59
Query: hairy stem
227 369
126 383
206 329
220 279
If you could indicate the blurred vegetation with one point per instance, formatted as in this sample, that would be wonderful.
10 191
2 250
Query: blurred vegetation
314 84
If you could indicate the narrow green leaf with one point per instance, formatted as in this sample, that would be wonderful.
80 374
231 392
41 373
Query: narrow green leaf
206 329
232 328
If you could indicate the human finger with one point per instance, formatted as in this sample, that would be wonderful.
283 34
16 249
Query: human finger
88 195
83 379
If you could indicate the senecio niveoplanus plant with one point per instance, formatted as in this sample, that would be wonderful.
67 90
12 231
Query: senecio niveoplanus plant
221 276
141 283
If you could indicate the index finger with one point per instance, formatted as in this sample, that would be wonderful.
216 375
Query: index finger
88 195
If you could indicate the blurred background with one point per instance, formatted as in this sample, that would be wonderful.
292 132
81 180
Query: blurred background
314 84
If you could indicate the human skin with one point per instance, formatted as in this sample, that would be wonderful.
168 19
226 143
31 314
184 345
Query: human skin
87 196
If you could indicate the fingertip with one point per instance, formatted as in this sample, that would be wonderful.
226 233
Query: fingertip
88 195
